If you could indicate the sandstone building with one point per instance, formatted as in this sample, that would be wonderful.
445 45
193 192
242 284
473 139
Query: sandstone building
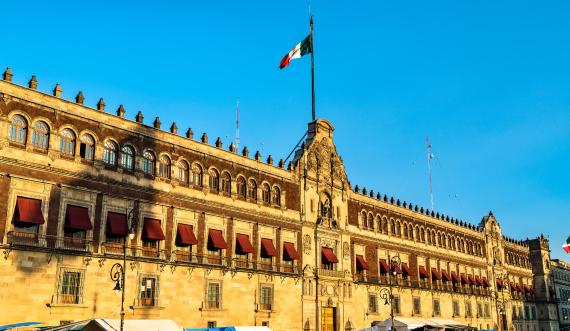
560 287
225 238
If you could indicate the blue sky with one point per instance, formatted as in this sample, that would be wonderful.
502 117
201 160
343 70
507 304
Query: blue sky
489 81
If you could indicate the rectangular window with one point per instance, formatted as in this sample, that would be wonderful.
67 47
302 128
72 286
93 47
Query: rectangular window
479 309
266 298
396 303
148 291
212 324
214 295
468 312
372 303
456 311
487 310
70 287
417 306
533 311
436 307
526 312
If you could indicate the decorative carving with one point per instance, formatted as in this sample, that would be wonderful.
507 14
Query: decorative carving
134 265
101 262
172 268
346 250
307 244
86 260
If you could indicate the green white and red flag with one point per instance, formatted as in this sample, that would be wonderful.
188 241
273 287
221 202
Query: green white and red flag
566 246
303 48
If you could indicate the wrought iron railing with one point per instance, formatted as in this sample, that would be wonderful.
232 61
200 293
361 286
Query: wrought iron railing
27 239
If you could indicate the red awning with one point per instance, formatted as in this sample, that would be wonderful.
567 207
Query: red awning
77 218
478 281
519 288
384 266
531 289
29 211
289 252
471 280
499 283
327 255
445 276
464 279
116 224
406 270
486 282
396 268
435 274
185 235
526 288
267 248
152 229
455 278
216 239
423 272
361 263
243 246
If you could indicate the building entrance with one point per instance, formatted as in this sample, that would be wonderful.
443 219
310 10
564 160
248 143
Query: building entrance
328 320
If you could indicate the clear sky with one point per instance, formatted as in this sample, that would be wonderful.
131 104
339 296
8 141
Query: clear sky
489 80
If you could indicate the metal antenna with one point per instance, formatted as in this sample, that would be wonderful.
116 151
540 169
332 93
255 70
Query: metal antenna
237 125
429 158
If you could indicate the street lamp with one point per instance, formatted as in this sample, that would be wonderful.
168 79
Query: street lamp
502 307
118 270
387 293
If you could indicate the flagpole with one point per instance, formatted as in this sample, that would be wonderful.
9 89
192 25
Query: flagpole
312 69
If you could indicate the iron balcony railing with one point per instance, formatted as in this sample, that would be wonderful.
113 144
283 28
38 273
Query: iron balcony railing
27 239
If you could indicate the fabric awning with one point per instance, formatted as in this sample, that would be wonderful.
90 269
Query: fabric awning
216 239
455 277
423 272
185 235
116 224
396 268
77 218
471 280
445 276
512 286
435 274
152 229
406 270
485 282
327 255
478 281
499 283
289 252
531 289
243 245
464 279
361 263
526 288
519 288
384 267
29 211
267 248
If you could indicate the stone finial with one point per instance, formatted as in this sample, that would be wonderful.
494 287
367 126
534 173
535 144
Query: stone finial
245 151
156 123
173 128
364 190
290 166
490 213
281 163
416 209
57 91
371 193
385 198
219 142
437 215
189 133
121 111
356 188
378 196
139 118
447 218
391 200
432 213
398 202
7 74
405 204
204 138
257 156
270 159
33 83
101 105
233 147
79 98
421 210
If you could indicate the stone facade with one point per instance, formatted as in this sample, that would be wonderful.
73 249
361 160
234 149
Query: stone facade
560 276
294 247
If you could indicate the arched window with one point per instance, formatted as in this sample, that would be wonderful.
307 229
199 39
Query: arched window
364 219
18 130
40 135
252 190
370 221
196 175
127 158
67 142
110 153
393 226
183 172
164 166
241 188
226 182
265 193
385 225
87 147
214 180
148 163
276 196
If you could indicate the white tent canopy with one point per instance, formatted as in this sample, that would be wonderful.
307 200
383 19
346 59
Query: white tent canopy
132 325
405 324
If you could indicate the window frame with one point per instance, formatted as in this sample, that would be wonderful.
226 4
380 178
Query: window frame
127 158
110 153
153 300
86 147
217 303
263 304
149 163
18 132
40 136
372 303
67 144
164 167
63 297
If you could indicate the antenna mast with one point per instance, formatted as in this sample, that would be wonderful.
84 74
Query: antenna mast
429 158
237 125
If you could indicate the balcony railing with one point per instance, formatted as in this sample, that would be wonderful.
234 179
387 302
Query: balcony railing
331 273
27 239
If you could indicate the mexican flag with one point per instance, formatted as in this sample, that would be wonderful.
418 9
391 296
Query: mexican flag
566 246
301 49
